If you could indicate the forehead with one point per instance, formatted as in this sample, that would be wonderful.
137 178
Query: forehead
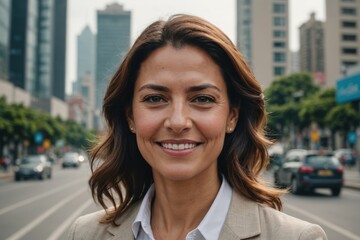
181 65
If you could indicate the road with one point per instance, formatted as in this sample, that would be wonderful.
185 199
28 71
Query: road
36 210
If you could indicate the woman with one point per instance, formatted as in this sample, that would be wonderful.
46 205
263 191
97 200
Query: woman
185 144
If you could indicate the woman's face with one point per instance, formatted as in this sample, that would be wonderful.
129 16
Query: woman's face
181 113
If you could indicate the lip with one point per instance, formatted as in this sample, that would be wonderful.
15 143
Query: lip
182 148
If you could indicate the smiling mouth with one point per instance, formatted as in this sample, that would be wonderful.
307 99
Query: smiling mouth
178 146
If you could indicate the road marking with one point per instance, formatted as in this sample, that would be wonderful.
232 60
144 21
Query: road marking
352 193
35 198
24 230
65 225
14 187
323 222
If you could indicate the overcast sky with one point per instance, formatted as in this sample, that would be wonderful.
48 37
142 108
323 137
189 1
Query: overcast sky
222 13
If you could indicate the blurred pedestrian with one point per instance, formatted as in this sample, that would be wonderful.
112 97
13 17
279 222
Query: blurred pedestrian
185 144
5 162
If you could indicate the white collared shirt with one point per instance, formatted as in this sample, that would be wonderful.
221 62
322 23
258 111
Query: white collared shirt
208 229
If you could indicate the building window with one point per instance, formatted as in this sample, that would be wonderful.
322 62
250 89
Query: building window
349 24
279 34
349 37
351 51
279 8
349 63
279 57
278 71
348 11
279 21
279 44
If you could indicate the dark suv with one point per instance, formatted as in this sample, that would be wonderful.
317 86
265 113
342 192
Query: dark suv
33 166
304 170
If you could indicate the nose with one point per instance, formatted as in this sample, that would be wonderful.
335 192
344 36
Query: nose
178 119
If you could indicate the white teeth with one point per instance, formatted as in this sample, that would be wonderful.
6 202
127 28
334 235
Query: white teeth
178 147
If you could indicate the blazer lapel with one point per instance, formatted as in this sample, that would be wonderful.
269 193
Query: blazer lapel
124 231
242 220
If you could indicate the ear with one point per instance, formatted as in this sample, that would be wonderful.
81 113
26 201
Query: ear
129 117
232 119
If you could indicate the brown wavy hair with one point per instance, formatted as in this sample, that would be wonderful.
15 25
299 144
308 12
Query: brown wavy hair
121 175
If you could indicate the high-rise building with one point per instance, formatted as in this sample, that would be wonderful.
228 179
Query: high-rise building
38 47
295 63
5 9
37 53
312 47
23 43
342 38
59 49
85 57
263 37
113 42
43 86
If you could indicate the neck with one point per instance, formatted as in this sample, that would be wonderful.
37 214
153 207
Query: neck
179 207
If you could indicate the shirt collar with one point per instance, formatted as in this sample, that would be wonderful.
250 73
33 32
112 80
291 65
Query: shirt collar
142 220
209 228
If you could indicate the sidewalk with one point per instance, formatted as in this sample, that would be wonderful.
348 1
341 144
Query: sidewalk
6 175
352 178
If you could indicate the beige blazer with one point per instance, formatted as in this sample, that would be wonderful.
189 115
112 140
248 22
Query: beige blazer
246 219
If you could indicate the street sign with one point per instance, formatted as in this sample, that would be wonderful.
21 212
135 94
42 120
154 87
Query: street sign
352 137
38 138
348 89
47 144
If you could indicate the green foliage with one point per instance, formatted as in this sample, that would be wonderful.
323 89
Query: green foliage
290 88
18 123
342 118
284 99
315 108
294 101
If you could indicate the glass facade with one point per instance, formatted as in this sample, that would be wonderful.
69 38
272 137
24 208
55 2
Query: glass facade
23 42
4 38
86 54
42 87
113 41
244 41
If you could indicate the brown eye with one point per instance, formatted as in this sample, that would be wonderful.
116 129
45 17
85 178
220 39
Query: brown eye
154 99
204 99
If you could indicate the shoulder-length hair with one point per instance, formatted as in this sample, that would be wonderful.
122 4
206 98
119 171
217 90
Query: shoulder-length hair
119 170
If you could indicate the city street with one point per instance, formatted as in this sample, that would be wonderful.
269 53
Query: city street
35 209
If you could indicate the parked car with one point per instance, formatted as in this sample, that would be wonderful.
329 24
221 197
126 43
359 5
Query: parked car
308 170
346 156
33 166
71 159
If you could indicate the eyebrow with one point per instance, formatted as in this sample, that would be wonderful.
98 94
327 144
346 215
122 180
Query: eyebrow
161 88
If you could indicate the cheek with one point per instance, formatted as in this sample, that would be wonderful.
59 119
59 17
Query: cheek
212 126
145 122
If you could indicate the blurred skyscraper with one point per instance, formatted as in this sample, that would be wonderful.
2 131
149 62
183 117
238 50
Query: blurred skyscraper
113 41
59 49
312 48
82 101
37 52
5 10
342 38
295 63
23 44
85 56
263 37
38 47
